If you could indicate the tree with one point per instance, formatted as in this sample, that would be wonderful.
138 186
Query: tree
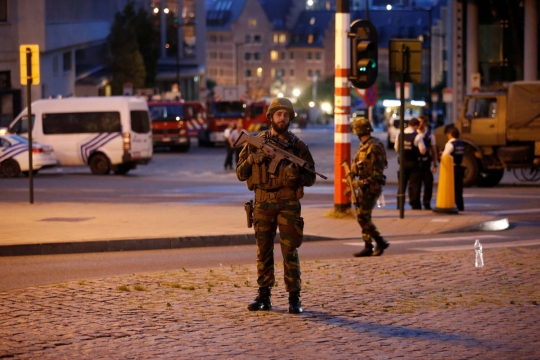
131 36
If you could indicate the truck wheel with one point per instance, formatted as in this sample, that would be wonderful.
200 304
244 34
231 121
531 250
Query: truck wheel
472 169
122 169
10 168
489 178
100 165
389 144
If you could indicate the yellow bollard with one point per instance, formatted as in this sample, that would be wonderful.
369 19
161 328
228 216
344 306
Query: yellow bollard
446 200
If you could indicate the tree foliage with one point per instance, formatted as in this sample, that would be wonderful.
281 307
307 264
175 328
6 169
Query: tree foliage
132 56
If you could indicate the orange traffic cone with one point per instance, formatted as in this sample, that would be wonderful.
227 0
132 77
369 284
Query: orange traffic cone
446 200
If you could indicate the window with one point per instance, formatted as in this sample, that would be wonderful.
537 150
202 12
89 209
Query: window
21 126
81 123
213 72
257 38
67 61
247 39
282 38
282 55
291 72
291 55
275 38
482 108
212 38
140 122
310 56
247 56
310 39
252 22
318 56
3 10
248 73
256 56
5 81
274 55
166 112
310 73
257 110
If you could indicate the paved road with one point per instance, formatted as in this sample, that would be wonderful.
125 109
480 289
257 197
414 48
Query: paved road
435 306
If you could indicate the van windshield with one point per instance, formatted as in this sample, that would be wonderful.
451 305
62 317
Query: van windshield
166 112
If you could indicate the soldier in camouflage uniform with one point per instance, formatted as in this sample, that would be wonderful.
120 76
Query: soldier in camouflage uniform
277 205
368 166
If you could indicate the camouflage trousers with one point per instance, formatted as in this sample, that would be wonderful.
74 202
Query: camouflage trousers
267 217
366 203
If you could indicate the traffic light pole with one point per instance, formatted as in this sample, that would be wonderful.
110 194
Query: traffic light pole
342 105
29 117
401 192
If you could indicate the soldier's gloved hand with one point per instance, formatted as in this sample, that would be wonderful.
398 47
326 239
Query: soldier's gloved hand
292 175
256 158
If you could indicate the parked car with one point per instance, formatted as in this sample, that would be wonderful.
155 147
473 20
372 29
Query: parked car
14 156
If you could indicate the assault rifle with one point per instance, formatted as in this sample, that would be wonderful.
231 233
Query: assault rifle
275 153
349 181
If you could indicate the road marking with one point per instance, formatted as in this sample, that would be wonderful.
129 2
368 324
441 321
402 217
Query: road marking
440 220
471 238
510 212
485 246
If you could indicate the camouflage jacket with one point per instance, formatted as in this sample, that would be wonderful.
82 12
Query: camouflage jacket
370 161
256 174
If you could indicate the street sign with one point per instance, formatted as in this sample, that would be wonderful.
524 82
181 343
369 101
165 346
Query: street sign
371 95
447 95
127 89
29 52
406 57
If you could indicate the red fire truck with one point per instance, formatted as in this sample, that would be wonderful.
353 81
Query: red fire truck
222 113
169 125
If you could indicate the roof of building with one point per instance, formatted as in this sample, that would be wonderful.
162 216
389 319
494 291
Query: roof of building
220 14
276 12
311 23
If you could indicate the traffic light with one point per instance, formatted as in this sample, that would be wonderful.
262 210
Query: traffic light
364 50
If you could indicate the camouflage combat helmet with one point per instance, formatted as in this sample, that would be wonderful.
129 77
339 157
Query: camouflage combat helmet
361 126
280 104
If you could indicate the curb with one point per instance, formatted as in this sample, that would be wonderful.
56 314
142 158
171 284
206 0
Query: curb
490 225
79 247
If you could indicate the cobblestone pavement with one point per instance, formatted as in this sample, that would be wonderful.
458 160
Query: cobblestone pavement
429 305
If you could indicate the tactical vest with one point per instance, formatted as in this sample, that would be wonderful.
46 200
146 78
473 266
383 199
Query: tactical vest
364 164
410 151
427 142
260 178
459 150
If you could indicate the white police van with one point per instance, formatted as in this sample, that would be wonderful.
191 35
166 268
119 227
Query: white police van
106 133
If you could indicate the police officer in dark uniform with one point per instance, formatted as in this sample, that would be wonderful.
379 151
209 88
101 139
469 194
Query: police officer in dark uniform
456 148
413 147
430 158
368 166
277 205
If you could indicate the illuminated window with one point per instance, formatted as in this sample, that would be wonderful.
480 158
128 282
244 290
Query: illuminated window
259 72
252 22
275 38
282 38
273 72
310 39
274 55
312 21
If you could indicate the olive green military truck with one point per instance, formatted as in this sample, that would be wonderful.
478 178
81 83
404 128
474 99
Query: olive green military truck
501 130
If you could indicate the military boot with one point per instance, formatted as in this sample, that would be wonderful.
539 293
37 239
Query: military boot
263 301
367 251
295 304
381 245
